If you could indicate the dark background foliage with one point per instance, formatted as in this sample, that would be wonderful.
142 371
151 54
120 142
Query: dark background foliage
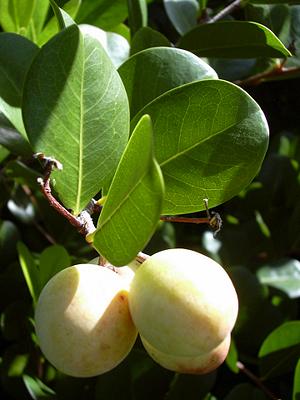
259 245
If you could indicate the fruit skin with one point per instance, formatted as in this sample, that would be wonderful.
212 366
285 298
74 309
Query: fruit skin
202 364
184 306
83 322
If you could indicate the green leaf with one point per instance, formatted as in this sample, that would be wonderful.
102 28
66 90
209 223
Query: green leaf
52 260
233 39
210 139
14 142
105 14
152 72
37 389
296 388
16 55
62 17
232 357
38 17
30 271
183 14
82 111
133 205
283 275
137 15
245 391
9 235
147 37
115 45
280 351
16 15
3 152
275 17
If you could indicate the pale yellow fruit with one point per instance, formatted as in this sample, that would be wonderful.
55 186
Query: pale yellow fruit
127 272
82 319
184 305
201 364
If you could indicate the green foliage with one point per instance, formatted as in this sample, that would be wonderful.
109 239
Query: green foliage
16 55
152 72
134 200
187 141
233 39
182 14
194 136
89 141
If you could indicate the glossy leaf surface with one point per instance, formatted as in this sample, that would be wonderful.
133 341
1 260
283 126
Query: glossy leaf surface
280 351
115 45
76 110
284 275
183 14
150 73
133 205
210 139
146 38
233 39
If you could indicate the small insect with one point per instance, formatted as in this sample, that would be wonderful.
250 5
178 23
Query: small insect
213 219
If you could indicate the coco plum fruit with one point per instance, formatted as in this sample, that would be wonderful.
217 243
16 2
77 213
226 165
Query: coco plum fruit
184 306
83 322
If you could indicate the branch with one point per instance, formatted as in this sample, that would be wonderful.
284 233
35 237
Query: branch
213 219
227 10
256 380
278 71
83 223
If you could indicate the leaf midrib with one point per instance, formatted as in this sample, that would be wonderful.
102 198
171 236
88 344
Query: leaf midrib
80 161
110 216
188 149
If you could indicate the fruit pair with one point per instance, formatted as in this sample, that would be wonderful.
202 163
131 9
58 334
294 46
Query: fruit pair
182 303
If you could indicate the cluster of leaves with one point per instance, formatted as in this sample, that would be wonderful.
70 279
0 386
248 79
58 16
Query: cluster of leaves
132 69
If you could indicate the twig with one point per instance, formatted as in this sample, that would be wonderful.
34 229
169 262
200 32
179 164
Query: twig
227 10
83 223
256 380
213 219
278 71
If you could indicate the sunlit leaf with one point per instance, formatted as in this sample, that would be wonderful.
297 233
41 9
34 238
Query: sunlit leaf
210 139
183 14
76 110
284 275
280 351
133 205
233 39
152 72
